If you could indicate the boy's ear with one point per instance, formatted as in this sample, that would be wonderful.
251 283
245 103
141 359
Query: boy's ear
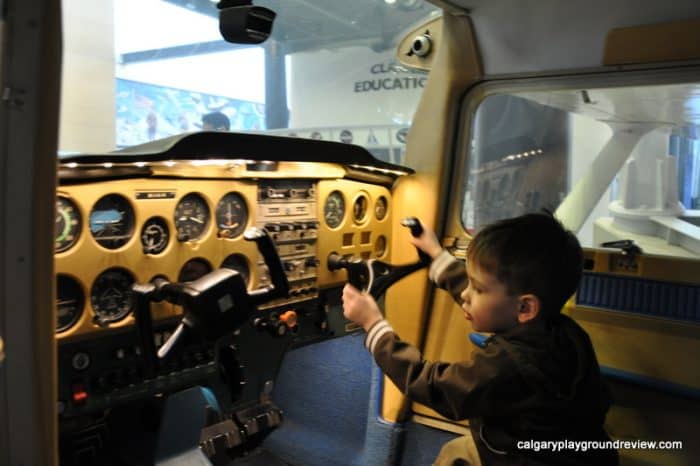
530 306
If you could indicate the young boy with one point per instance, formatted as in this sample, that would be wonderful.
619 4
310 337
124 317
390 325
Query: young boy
536 379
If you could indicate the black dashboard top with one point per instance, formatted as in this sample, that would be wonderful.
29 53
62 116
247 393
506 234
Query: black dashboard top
205 145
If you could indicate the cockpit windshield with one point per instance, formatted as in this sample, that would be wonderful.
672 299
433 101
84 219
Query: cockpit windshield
158 68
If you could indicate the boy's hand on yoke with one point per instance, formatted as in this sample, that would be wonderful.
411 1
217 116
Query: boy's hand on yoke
428 243
360 308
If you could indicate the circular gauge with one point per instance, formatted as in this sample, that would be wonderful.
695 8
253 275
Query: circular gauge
191 217
154 235
381 207
231 215
380 246
238 263
194 269
111 296
70 301
359 208
68 224
334 209
112 221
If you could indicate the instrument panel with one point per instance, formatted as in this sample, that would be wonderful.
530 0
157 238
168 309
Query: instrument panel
181 229
133 227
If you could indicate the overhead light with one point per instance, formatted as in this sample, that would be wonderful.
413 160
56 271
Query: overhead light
390 2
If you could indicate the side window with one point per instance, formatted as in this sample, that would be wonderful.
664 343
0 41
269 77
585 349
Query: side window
519 160
613 163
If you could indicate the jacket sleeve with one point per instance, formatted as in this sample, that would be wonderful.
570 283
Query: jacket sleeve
449 274
458 390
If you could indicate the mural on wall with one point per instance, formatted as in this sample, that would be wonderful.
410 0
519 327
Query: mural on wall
146 112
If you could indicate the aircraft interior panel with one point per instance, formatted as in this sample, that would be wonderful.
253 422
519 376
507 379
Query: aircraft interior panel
121 227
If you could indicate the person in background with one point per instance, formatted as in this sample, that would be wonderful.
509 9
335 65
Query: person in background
215 121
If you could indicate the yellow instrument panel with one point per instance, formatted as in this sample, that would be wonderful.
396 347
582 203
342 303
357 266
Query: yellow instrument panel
184 223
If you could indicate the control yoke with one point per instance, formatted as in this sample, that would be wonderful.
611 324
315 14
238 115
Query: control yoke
374 276
215 304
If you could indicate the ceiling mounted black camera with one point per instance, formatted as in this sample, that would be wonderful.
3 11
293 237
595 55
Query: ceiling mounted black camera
241 22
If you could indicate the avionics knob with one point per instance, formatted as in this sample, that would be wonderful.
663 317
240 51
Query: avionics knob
260 324
279 328
311 262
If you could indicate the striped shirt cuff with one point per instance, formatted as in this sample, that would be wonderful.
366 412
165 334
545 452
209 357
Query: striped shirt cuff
375 333
439 265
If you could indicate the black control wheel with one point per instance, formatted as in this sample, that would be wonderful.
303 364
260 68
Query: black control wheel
215 304
374 276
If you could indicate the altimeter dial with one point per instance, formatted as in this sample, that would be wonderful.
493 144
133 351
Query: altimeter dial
191 217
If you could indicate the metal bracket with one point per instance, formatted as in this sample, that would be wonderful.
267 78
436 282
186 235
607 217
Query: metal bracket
630 252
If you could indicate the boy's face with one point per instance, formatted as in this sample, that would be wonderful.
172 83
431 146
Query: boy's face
487 303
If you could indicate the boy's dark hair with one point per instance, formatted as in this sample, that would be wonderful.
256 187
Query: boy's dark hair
532 253
217 120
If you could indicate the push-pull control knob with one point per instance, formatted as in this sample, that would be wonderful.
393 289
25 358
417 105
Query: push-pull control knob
289 318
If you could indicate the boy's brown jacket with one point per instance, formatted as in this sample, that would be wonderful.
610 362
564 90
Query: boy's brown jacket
538 381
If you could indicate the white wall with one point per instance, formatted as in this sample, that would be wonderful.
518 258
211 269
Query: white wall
353 87
236 74
338 88
87 96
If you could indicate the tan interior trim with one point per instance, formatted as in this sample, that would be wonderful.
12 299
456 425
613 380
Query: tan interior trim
457 66
678 270
653 43
441 424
